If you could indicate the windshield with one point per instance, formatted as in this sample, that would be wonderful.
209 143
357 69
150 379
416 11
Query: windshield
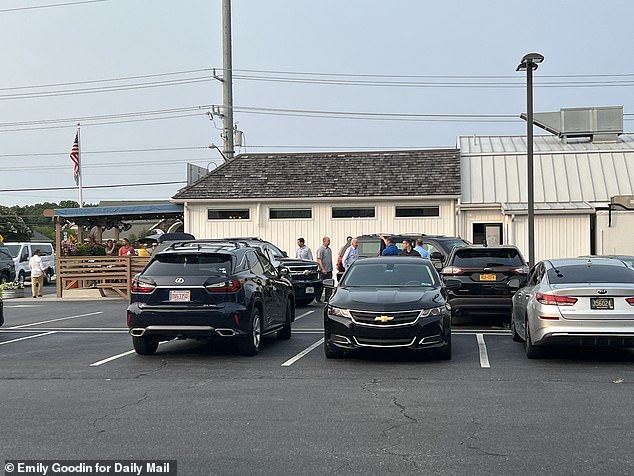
487 257
189 265
590 274
390 274
13 249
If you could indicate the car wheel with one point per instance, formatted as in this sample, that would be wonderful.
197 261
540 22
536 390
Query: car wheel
445 352
516 336
532 351
285 332
331 352
4 278
145 345
250 344
21 278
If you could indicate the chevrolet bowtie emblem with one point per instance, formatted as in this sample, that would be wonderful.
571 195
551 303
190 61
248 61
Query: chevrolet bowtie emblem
383 318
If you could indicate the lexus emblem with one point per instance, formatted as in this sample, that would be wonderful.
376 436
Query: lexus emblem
383 318
602 291
179 280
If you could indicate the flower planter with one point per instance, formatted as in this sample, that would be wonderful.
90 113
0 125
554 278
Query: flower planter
12 293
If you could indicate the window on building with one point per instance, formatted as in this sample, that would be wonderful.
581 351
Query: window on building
282 213
238 214
489 233
410 212
349 212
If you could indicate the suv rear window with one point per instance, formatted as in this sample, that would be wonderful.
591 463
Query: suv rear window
590 274
189 264
487 258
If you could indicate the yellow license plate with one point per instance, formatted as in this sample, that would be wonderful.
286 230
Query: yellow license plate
487 277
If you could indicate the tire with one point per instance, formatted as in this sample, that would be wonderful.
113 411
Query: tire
21 278
516 336
47 277
145 345
532 351
4 278
445 352
331 352
250 344
285 332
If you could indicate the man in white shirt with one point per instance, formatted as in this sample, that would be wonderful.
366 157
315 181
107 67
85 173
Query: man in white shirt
303 252
351 254
37 274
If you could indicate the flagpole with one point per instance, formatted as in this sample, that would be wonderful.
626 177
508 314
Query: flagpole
81 200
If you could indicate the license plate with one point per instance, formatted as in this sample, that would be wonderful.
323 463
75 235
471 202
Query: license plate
310 290
602 303
487 277
180 296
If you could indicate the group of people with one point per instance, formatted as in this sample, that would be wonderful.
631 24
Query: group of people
126 249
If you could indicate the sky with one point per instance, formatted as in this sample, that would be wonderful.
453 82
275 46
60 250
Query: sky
308 76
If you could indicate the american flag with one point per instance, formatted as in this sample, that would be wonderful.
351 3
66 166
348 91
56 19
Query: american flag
74 156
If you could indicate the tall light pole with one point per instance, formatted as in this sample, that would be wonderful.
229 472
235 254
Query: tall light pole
529 63
227 91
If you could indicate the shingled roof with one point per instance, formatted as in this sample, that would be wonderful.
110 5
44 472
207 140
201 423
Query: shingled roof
417 173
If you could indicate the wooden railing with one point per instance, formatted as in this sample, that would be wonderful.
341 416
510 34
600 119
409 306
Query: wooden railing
104 273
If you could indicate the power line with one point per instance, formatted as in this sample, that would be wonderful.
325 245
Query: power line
34 7
90 187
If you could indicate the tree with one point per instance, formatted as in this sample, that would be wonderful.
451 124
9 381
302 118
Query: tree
12 226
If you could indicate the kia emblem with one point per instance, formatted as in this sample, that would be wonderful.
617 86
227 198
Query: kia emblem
179 280
602 291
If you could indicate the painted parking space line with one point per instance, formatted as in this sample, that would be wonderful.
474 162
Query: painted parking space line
27 337
55 320
110 359
294 359
303 315
482 348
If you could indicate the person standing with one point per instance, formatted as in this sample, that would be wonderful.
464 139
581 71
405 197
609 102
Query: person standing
324 259
408 250
342 250
351 254
421 251
37 274
126 249
303 252
143 251
110 247
390 247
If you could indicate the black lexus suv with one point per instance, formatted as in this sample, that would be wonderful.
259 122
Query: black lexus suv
484 272
305 274
204 290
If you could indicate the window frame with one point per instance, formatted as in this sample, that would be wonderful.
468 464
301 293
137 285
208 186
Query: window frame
353 217
229 210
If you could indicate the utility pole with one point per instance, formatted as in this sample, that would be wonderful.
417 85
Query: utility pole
227 91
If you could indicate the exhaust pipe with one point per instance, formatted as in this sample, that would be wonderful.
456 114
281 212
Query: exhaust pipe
137 332
226 332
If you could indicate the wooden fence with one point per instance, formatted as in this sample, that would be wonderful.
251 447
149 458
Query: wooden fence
99 272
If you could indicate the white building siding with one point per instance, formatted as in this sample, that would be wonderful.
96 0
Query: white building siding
284 232
615 239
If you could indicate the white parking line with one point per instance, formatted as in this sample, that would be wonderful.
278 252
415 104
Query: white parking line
303 315
292 360
110 359
55 320
484 357
27 337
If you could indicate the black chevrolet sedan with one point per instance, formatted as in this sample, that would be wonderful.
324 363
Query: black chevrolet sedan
389 302
209 290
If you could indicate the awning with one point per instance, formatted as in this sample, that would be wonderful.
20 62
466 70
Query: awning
542 208
107 216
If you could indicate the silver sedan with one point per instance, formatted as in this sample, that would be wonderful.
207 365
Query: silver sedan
576 301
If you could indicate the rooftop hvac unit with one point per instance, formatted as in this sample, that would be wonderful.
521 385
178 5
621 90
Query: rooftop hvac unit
601 124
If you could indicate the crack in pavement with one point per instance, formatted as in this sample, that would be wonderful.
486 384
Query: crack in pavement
96 421
473 437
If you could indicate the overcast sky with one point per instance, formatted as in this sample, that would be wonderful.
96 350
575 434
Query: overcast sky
418 74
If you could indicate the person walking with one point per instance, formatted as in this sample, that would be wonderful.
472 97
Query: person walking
390 247
408 250
303 252
324 259
37 273
421 251
351 254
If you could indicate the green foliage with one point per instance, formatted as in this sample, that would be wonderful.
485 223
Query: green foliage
12 226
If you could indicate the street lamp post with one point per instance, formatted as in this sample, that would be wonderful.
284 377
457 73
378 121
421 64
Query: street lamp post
529 63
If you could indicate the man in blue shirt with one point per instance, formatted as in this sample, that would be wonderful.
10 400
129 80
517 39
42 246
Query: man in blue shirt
421 251
390 248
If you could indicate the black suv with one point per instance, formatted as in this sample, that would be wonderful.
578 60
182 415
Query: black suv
7 265
209 290
438 246
484 272
305 275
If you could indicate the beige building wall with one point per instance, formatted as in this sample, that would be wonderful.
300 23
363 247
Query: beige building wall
616 238
284 232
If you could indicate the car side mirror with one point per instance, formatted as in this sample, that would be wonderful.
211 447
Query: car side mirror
452 283
329 283
284 254
515 283
437 255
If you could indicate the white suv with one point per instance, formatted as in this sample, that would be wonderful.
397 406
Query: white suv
22 253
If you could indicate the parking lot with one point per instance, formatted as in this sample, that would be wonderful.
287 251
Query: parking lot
73 388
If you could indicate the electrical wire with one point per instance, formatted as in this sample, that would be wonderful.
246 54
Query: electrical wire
34 7
124 185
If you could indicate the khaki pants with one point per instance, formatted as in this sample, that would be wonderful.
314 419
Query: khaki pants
35 282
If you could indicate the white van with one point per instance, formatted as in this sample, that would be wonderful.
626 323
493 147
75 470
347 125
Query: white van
22 252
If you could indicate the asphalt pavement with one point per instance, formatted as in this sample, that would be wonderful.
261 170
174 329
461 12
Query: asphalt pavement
72 388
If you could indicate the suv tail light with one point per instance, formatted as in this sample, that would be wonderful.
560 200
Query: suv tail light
630 301
142 287
554 300
230 286
520 270
452 271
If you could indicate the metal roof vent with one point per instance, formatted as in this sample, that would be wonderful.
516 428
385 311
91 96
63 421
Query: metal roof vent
600 124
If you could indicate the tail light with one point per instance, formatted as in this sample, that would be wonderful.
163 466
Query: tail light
555 300
142 287
452 271
630 301
230 286
520 270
